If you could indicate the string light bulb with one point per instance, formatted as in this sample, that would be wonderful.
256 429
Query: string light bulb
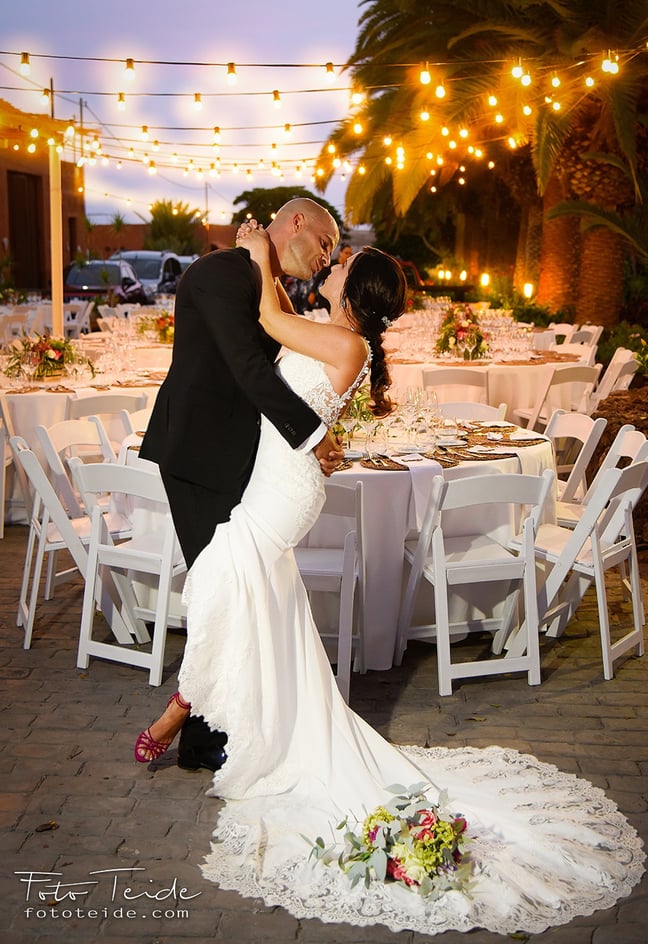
231 73
121 102
276 98
517 71
330 72
287 129
45 97
424 76
130 68
145 133
197 101
440 91
25 67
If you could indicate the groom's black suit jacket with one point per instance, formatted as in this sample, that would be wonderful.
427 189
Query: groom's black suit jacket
204 427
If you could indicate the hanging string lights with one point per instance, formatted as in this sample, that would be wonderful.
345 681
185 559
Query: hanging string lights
532 85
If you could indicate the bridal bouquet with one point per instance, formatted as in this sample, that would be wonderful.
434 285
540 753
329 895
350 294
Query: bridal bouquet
461 335
409 840
41 356
162 325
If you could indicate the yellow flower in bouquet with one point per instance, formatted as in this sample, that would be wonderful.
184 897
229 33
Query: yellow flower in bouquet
410 840
161 324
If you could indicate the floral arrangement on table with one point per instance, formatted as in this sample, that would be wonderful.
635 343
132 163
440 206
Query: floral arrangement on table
41 356
461 334
161 324
409 840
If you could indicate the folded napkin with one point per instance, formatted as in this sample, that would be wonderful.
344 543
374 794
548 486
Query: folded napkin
524 436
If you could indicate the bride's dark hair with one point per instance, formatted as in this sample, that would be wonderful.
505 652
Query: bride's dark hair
376 291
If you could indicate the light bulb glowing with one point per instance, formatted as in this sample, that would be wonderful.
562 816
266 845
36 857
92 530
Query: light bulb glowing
231 73
197 101
440 91
25 67
329 69
130 68
276 98
121 101
424 76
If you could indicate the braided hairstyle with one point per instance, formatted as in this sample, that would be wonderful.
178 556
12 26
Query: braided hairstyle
376 291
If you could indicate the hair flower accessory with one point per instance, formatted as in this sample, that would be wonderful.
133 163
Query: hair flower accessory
386 321
410 840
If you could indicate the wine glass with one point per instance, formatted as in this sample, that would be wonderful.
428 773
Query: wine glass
29 364
368 424
348 424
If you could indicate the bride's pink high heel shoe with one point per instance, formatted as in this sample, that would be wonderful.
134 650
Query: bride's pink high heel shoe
146 747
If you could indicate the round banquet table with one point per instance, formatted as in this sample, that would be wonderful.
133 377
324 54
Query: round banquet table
394 505
48 405
516 383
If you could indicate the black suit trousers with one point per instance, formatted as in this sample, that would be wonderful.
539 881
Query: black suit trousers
196 511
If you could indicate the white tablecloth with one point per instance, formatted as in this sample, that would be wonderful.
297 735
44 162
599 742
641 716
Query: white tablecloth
44 408
394 503
517 385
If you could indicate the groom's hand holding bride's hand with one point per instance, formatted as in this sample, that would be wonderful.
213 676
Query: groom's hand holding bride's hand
330 453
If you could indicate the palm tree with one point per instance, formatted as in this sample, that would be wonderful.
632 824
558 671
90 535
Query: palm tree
549 112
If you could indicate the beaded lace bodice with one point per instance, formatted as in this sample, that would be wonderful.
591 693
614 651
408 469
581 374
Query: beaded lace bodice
309 379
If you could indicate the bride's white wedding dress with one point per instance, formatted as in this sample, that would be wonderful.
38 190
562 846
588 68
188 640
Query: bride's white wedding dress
544 846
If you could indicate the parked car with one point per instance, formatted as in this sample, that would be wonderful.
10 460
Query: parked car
185 261
157 271
101 278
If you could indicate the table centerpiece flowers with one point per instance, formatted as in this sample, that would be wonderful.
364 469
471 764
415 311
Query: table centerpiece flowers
460 334
41 357
410 840
161 325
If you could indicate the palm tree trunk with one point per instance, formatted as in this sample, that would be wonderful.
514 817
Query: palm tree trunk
600 284
559 255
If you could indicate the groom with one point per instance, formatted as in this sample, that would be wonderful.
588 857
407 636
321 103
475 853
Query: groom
204 429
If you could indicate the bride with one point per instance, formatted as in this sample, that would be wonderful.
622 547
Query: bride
541 846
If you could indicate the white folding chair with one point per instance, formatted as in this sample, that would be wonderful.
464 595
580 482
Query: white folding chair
340 568
471 410
5 463
108 407
589 334
579 381
617 376
155 553
628 446
602 539
135 421
76 318
19 472
447 561
51 530
452 383
562 329
575 437
85 438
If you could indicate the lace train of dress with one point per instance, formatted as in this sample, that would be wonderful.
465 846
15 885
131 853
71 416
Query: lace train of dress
544 846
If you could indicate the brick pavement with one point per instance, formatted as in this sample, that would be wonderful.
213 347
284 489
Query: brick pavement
66 756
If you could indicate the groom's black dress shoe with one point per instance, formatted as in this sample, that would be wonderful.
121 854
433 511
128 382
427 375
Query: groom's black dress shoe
199 746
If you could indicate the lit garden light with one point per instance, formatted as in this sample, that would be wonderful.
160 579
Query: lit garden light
527 289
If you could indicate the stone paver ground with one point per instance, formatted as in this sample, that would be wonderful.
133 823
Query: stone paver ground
66 756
